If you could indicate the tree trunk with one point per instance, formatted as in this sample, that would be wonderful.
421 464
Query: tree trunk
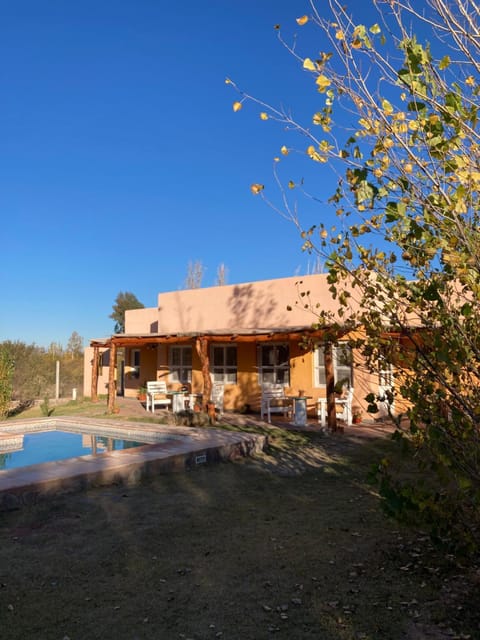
201 345
112 391
330 383
95 367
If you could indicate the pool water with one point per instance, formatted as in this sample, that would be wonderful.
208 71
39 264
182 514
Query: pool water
48 446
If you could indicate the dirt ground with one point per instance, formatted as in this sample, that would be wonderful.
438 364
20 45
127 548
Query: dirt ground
289 545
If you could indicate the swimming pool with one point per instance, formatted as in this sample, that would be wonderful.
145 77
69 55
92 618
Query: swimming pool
48 446
165 449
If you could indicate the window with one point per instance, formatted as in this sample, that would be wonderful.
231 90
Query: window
274 365
224 363
342 365
180 364
135 362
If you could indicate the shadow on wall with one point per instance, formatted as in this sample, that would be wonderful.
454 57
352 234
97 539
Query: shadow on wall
251 308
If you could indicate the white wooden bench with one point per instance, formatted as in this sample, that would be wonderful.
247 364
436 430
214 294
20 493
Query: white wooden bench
157 394
274 401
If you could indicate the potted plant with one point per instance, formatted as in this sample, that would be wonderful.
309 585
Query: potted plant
142 394
357 415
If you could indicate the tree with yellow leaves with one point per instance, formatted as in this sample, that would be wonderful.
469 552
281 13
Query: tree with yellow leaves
407 207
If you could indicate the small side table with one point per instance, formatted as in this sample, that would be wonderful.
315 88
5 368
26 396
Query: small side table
178 400
300 410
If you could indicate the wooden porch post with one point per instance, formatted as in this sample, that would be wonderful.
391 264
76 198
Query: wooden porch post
95 364
330 383
112 392
201 345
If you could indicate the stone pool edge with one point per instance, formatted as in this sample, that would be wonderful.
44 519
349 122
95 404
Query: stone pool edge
191 448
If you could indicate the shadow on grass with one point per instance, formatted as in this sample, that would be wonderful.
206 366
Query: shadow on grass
291 544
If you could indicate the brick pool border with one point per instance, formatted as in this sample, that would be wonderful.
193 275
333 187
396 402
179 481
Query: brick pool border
188 448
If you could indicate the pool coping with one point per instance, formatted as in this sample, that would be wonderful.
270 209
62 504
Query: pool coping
191 448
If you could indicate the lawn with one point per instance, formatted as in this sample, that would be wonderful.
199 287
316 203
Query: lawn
290 545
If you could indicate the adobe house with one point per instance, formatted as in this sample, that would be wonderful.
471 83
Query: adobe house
242 335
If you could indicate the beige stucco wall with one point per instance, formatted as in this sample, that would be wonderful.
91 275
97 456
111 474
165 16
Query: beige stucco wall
251 305
141 320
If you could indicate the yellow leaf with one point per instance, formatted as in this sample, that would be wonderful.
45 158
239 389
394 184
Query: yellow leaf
237 106
470 81
276 159
375 28
402 127
256 188
460 206
387 107
314 155
303 20
339 35
264 116
284 150
322 82
309 65
228 81
291 184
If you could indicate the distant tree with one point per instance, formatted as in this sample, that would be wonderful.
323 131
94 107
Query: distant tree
124 302
55 350
6 377
33 373
75 345
195 273
222 273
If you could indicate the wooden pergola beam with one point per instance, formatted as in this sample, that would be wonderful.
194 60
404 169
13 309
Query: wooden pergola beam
95 367
112 390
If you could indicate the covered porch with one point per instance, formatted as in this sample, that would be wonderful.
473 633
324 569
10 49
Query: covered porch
257 357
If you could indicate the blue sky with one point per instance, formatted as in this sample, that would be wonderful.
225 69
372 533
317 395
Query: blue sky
121 158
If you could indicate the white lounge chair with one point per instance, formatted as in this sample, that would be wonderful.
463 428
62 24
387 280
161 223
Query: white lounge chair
344 404
157 395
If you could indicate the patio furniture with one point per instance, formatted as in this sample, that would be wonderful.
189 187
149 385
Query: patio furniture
344 404
274 400
300 414
217 396
178 400
157 394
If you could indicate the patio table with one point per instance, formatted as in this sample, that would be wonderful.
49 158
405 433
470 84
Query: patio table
300 410
178 400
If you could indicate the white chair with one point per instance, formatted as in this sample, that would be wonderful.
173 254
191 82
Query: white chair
274 401
345 404
217 396
157 394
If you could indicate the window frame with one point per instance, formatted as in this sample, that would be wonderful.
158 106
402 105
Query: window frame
319 363
135 360
276 367
180 373
220 373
